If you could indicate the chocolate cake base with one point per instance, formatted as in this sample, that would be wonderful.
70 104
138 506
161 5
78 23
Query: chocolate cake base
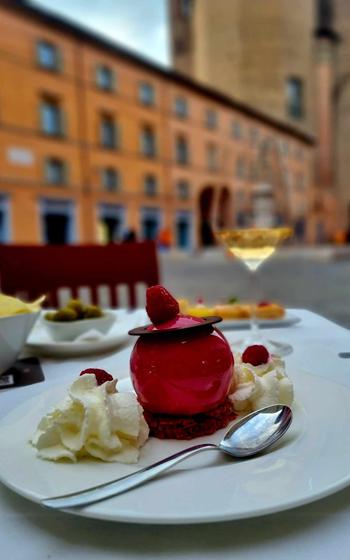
164 426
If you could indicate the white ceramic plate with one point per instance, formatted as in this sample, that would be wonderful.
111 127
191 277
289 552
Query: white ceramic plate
40 342
286 321
310 462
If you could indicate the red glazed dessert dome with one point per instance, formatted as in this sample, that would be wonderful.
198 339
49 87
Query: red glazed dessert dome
181 365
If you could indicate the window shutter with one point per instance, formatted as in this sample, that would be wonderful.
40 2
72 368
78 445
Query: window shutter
66 172
36 53
63 122
45 169
114 80
118 135
59 59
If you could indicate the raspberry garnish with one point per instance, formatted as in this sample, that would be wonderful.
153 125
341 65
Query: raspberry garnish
101 375
255 355
160 305
263 303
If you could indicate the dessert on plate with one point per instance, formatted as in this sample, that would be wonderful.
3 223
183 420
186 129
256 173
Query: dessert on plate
187 384
269 310
181 368
185 377
234 310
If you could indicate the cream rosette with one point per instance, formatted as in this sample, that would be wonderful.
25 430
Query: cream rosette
92 421
259 386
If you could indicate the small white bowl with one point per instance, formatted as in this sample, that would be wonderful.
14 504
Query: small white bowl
14 331
63 331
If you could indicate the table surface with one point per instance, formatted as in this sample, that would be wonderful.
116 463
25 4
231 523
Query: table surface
318 530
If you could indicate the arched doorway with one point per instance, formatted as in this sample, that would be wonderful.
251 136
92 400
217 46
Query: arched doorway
224 214
206 203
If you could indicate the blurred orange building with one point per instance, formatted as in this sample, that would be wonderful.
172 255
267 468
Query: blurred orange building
96 142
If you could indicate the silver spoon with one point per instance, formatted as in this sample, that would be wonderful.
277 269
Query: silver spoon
245 438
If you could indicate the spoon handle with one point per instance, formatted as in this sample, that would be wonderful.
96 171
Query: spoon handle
125 483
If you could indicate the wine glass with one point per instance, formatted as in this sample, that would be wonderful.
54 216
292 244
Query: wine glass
253 246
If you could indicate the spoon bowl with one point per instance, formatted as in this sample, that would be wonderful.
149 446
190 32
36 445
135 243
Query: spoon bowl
246 437
256 431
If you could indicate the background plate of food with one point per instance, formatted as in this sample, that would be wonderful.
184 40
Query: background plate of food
78 329
237 315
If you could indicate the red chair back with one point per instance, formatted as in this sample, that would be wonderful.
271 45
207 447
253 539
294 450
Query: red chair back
33 270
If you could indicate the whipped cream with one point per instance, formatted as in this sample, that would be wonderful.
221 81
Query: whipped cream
92 421
259 386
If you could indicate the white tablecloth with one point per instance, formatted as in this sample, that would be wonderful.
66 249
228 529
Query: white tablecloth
317 531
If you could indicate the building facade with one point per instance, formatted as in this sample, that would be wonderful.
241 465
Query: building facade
96 144
288 59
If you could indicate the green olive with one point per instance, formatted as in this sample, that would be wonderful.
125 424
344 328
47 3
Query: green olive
50 315
66 314
78 306
93 311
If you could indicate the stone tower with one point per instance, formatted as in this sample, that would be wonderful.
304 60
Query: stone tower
256 51
289 59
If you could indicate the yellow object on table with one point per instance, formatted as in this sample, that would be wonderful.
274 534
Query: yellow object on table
13 306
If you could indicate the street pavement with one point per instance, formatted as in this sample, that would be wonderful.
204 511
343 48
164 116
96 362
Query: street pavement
316 279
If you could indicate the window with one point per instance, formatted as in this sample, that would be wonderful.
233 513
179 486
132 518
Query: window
150 185
180 107
284 148
55 171
181 151
212 157
4 219
146 93
108 132
236 130
48 56
287 178
183 189
299 154
185 8
148 142
211 118
57 221
51 117
110 179
294 87
105 78
300 181
240 198
183 229
240 168
111 223
180 45
150 223
254 136
253 175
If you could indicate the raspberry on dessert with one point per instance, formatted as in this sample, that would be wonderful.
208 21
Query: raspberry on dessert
160 304
256 355
263 303
101 375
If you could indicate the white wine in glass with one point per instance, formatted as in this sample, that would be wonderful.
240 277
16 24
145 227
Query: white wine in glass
253 246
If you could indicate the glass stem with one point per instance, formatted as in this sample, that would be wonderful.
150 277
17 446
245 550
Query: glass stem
254 326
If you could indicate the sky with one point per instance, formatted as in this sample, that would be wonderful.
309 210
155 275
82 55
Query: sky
140 25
